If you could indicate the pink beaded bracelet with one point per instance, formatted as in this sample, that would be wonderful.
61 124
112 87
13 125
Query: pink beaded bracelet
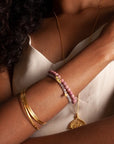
67 91
61 85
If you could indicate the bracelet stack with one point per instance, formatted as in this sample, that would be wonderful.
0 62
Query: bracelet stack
29 112
66 90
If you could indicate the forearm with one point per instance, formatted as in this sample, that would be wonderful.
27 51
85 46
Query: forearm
101 132
81 70
45 96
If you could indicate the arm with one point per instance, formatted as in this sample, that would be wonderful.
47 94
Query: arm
45 96
101 132
5 88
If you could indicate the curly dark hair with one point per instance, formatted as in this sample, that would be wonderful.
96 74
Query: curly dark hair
18 19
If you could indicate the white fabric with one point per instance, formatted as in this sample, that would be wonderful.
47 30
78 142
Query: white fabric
96 99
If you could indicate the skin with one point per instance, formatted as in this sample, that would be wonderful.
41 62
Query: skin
103 52
75 6
5 87
72 33
42 106
91 134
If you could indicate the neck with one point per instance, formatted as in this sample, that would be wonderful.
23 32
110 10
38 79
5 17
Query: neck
90 3
75 6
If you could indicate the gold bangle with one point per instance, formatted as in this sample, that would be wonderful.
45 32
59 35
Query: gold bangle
27 112
32 114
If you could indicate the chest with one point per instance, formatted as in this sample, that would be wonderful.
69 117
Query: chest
72 30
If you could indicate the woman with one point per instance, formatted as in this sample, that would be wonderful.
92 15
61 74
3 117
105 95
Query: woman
77 79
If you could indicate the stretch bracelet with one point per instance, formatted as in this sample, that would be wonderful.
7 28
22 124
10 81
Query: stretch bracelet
62 87
67 91
29 112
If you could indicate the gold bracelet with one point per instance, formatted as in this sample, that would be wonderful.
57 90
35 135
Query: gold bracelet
26 111
32 114
29 112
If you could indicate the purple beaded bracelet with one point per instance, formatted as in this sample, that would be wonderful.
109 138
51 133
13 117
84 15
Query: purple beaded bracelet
67 91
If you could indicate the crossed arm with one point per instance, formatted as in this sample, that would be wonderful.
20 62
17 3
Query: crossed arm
101 132
15 128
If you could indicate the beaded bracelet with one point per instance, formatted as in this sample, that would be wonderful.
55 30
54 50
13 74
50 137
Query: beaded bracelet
62 87
66 90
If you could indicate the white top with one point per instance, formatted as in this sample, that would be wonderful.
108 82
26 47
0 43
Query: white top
95 99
